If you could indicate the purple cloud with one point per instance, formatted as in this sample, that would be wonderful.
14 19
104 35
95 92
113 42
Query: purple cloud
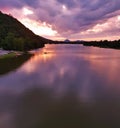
69 16
11 4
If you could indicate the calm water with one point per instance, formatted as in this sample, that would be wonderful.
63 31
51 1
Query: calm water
63 86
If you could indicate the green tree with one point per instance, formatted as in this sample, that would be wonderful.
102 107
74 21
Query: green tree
8 42
19 44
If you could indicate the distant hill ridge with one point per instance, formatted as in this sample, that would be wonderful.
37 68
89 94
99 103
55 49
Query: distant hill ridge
15 36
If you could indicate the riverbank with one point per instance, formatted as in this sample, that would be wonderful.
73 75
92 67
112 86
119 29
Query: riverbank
11 54
101 44
8 54
3 52
104 44
10 62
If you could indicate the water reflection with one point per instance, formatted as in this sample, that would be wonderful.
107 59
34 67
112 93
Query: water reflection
63 86
9 64
40 108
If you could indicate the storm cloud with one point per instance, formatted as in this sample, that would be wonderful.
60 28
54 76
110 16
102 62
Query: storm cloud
70 16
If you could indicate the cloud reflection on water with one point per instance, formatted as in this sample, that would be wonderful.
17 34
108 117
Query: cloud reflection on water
64 67
70 82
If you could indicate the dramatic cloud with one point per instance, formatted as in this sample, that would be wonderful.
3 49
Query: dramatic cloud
74 19
10 3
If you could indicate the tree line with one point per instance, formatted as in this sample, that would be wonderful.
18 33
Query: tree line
104 44
11 42
15 36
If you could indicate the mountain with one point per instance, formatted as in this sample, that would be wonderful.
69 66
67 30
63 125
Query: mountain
67 41
15 36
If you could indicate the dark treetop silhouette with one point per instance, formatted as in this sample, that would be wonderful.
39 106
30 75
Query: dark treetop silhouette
15 36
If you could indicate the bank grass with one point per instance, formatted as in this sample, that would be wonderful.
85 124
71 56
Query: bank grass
10 55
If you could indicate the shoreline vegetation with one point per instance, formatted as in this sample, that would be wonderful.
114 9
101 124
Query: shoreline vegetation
8 55
12 54
14 36
104 44
101 44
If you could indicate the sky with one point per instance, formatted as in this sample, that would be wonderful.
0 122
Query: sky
68 19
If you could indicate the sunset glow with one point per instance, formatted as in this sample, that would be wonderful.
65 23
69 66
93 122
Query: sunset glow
39 28
74 20
27 11
64 7
59 63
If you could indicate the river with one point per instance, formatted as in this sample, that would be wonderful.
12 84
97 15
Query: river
63 86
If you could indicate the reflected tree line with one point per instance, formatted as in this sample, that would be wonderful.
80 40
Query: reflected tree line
10 64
